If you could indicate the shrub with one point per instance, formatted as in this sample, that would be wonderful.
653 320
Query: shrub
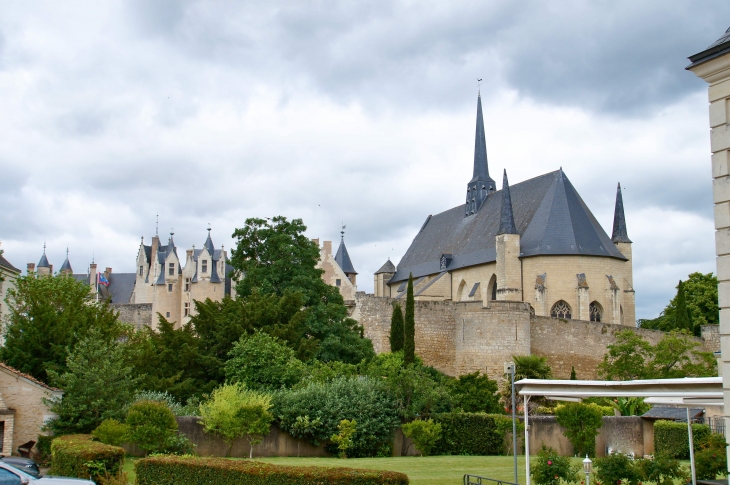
604 410
483 431
365 400
42 453
343 439
711 459
581 423
167 470
234 412
159 396
549 468
112 432
424 433
616 469
80 456
671 438
152 425
662 470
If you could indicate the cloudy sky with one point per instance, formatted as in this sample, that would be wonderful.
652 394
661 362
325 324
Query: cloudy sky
362 112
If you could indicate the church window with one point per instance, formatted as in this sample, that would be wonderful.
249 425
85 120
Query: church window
186 309
561 310
594 309
171 269
204 266
338 282
492 288
169 287
187 284
141 270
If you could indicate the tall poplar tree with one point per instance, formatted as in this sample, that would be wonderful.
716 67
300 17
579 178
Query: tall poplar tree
397 332
682 316
409 326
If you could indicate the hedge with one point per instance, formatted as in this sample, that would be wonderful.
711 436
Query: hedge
188 470
471 434
671 438
78 456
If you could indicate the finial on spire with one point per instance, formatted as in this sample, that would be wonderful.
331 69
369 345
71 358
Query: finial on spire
620 235
66 252
342 232
506 218
44 247
209 227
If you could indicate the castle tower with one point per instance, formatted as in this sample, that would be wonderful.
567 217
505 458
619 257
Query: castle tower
620 238
481 184
66 266
343 259
166 297
43 268
382 276
509 268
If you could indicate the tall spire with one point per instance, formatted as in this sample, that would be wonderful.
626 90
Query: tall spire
481 183
620 234
506 218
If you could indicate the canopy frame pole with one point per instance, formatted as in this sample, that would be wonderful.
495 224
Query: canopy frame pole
527 443
691 449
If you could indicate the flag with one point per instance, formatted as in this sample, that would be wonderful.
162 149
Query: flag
102 280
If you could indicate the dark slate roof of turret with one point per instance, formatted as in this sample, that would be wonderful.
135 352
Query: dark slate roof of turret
343 259
4 263
619 220
43 263
209 244
66 266
548 213
388 267
481 165
506 219
718 48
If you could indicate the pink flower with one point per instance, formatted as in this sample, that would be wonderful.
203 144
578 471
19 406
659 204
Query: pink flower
550 462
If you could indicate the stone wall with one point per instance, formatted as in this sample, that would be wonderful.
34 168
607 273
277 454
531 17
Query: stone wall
711 337
137 314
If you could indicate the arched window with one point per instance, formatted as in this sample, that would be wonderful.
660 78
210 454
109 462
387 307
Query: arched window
493 288
561 310
460 291
595 311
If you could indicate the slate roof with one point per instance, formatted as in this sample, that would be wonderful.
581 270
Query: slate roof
718 48
506 218
388 267
548 213
66 265
121 286
4 263
343 259
620 235
43 263
674 414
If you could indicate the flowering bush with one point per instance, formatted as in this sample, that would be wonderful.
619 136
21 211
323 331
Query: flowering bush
617 469
550 468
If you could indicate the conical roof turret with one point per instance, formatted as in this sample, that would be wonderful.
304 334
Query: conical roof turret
481 184
506 217
209 244
43 263
66 266
343 258
620 235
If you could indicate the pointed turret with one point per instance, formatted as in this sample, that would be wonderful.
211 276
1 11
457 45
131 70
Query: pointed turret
506 218
343 258
43 263
66 266
481 183
209 244
382 277
619 220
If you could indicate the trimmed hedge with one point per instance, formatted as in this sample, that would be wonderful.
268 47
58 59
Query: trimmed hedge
470 434
671 438
77 455
188 470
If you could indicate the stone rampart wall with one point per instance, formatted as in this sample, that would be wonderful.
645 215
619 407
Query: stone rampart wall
711 337
137 314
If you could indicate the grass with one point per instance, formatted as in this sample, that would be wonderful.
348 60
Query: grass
129 468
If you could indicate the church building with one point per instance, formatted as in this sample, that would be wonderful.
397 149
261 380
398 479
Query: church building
535 242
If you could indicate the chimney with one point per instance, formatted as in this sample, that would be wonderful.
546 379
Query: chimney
92 275
31 268
316 241
327 245
108 271
189 254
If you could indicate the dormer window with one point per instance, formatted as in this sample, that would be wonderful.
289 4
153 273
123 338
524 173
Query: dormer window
171 269
204 266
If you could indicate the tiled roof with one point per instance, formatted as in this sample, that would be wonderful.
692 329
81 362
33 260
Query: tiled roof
388 267
27 377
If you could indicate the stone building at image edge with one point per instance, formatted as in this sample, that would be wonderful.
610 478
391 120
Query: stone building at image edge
535 242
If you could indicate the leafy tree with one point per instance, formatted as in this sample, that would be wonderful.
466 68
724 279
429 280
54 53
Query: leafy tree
97 385
424 434
318 371
234 412
49 316
112 432
627 359
152 425
475 393
700 293
409 326
396 329
682 315
304 428
343 438
581 423
261 362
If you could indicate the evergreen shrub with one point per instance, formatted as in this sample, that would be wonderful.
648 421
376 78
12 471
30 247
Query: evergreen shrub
423 433
79 456
174 470
112 432
671 438
581 423
470 434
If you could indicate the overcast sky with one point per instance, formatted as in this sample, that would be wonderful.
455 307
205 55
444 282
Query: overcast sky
362 112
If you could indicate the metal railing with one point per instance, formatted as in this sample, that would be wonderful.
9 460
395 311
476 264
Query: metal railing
477 480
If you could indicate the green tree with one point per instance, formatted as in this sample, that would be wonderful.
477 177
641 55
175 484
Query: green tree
233 412
343 438
409 326
627 359
261 362
700 293
97 385
152 425
581 423
49 316
531 367
475 393
423 433
573 376
396 329
112 432
682 315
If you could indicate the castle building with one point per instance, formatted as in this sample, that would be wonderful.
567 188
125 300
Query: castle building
8 275
338 269
535 242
